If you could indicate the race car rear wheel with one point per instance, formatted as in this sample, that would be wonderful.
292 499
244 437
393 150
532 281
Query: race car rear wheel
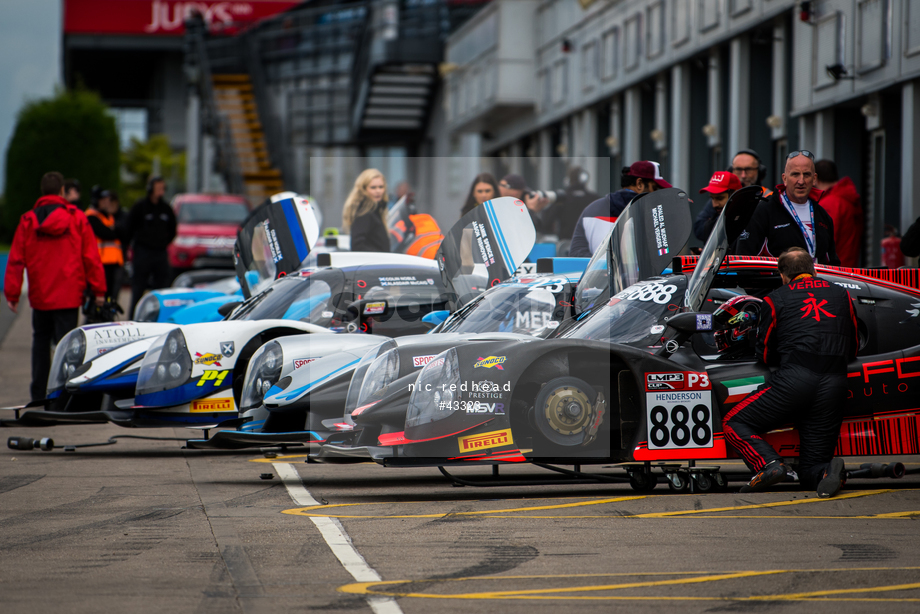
564 410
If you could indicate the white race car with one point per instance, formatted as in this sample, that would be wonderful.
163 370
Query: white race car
96 365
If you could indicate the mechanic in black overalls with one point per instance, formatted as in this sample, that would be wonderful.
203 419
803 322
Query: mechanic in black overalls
807 328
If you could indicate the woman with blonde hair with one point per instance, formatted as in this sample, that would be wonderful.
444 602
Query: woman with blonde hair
365 213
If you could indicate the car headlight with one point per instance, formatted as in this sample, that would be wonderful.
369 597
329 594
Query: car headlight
263 373
357 380
382 372
436 390
68 356
167 364
148 309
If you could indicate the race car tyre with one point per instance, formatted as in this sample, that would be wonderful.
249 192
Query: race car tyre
643 482
564 410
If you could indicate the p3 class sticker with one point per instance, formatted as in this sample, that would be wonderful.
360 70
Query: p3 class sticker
657 329
679 418
327 314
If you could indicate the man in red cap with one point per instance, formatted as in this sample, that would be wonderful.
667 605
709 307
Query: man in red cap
597 218
57 248
722 185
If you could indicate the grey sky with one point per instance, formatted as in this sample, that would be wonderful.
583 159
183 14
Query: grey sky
30 60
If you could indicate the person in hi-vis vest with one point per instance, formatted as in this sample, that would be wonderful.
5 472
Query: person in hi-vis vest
101 216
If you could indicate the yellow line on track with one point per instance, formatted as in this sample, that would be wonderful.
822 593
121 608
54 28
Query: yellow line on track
871 589
365 588
321 510
757 506
307 511
277 459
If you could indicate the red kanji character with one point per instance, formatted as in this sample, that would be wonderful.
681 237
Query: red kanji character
813 304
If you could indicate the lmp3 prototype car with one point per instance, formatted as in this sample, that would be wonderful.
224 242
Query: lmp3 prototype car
296 383
380 391
194 374
648 376
97 365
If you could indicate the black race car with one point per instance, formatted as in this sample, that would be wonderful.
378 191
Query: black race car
648 376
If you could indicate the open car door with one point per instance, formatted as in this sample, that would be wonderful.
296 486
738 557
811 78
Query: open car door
729 225
643 241
485 247
274 240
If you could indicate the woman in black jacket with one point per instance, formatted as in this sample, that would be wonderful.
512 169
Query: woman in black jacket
365 213
483 188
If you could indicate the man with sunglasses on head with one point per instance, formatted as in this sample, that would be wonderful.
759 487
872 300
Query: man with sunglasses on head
791 216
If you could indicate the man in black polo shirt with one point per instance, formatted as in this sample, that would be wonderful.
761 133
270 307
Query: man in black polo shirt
808 329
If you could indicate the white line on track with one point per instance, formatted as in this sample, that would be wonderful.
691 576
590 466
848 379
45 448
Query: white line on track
337 539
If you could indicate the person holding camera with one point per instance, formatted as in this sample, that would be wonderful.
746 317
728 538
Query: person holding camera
597 218
558 210
151 227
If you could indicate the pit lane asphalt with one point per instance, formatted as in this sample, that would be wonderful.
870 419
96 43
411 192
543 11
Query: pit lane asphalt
144 526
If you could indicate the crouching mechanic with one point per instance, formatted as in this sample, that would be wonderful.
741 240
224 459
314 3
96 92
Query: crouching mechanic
808 329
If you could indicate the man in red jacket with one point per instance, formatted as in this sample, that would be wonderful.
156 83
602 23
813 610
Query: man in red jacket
57 247
841 201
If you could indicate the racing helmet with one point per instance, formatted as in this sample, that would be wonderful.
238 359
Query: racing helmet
736 325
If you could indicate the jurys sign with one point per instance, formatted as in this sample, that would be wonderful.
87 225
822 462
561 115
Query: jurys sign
164 17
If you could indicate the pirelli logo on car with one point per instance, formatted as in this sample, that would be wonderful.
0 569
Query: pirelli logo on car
212 405
483 441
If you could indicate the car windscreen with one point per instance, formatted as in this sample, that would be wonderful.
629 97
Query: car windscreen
509 308
293 298
636 315
401 283
212 213
729 224
594 285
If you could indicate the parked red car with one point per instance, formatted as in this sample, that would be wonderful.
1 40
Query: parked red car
207 227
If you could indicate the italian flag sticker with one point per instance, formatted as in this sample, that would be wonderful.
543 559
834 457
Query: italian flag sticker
740 388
